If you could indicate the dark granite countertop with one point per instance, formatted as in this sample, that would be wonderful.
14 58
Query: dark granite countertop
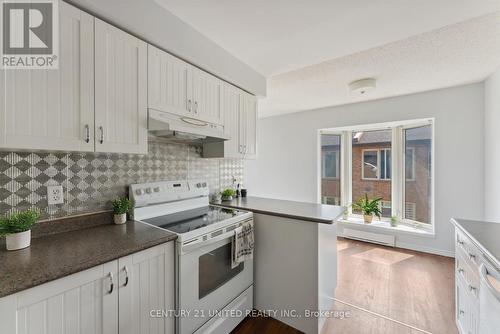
485 236
312 212
57 255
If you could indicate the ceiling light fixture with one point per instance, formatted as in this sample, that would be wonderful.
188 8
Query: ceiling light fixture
362 86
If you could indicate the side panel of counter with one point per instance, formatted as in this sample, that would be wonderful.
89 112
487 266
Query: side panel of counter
290 257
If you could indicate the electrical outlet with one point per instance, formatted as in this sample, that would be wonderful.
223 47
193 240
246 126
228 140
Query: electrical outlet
55 195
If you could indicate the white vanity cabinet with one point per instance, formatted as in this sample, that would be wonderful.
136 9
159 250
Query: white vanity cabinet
120 91
53 109
116 297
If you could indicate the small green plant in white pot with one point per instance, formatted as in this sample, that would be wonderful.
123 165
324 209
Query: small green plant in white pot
121 206
17 228
228 194
394 221
369 207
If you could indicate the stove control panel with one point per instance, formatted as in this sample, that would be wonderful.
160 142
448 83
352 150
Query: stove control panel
143 194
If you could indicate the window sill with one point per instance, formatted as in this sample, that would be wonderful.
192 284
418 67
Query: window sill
385 225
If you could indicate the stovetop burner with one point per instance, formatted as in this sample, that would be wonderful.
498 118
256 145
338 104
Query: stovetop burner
186 221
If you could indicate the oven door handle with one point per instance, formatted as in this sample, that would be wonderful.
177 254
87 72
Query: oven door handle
192 245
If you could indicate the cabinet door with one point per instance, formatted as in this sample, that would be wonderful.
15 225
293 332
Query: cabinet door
120 91
249 118
231 105
79 303
147 284
169 83
207 93
462 306
53 109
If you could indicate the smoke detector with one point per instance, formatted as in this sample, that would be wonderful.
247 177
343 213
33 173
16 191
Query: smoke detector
363 86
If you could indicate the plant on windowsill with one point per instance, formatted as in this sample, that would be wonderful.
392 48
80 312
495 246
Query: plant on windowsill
17 228
394 221
228 194
369 207
121 206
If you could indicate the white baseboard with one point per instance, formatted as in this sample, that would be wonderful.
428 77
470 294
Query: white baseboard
419 248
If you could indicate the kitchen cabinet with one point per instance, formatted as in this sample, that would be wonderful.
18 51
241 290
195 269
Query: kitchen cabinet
120 91
116 297
248 124
146 283
207 96
169 83
240 124
85 302
53 109
179 88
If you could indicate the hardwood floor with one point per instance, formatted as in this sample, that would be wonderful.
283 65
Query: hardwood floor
383 290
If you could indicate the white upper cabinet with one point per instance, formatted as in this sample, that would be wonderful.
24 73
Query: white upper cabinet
177 87
240 123
120 91
85 302
169 83
53 109
231 106
249 120
207 96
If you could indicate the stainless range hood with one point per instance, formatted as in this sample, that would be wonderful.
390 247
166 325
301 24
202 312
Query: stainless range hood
183 129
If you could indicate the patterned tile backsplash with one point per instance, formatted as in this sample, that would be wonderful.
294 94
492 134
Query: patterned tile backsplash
91 180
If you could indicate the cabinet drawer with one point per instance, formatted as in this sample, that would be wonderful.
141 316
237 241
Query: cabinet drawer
468 250
469 275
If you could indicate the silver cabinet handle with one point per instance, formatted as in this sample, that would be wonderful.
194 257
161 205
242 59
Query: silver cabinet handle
462 312
241 149
472 289
461 243
189 105
110 276
101 139
195 107
125 269
87 133
472 256
460 271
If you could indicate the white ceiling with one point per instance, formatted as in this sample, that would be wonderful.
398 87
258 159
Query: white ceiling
277 36
461 53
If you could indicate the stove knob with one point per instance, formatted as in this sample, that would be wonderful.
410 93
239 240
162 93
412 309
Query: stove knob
204 185
156 189
198 185
139 192
148 190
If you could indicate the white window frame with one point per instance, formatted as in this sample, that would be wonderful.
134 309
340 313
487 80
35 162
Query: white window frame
337 165
397 171
379 163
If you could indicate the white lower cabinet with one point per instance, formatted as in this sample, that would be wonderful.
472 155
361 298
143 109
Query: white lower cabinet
99 300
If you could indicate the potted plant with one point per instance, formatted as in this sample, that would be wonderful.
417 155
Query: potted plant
17 228
228 194
394 221
121 206
369 207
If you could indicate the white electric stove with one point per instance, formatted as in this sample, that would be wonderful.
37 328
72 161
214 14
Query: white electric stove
211 297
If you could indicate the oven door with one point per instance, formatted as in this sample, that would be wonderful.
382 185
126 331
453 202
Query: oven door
207 283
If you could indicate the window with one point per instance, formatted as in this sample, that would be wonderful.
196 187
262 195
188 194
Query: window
330 169
418 166
392 161
376 164
372 167
330 164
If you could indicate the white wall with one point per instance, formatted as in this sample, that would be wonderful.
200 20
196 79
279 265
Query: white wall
492 148
153 23
286 167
